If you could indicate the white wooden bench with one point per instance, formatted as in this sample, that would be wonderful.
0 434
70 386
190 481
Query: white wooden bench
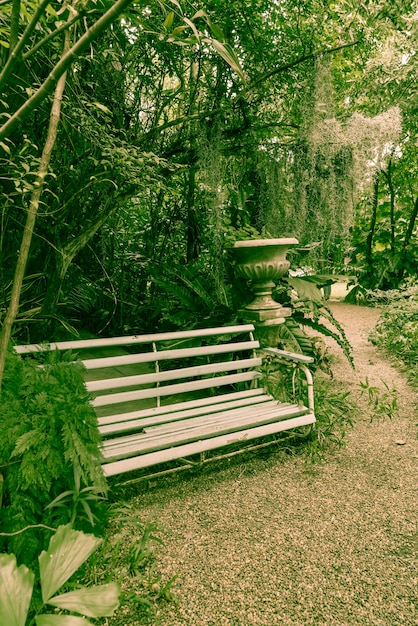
168 396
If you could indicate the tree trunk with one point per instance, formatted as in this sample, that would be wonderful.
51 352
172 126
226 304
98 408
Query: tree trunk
372 227
193 236
31 218
411 225
404 252
388 176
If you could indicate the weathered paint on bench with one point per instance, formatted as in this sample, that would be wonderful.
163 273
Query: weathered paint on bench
136 435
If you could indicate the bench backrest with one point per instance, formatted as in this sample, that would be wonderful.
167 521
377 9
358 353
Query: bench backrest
161 368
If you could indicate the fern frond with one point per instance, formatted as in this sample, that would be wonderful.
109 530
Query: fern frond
292 332
27 441
48 427
340 339
180 293
201 287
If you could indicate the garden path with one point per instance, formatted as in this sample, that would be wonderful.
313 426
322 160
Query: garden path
272 541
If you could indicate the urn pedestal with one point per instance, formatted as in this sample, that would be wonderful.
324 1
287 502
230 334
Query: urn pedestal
263 261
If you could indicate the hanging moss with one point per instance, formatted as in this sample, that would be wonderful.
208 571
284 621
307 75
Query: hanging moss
312 186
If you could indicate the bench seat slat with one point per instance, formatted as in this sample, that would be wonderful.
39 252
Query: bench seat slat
162 355
180 406
123 447
169 416
148 435
171 422
175 374
195 385
223 417
220 416
170 454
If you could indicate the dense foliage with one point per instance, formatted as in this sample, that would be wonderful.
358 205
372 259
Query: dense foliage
183 124
397 332
178 129
49 442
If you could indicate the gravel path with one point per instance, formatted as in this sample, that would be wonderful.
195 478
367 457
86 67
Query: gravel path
270 541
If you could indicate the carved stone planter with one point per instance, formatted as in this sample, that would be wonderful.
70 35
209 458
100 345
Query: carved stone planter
262 261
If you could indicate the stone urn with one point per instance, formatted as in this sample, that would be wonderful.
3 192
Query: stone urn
262 261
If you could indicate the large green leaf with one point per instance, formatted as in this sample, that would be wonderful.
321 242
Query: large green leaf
306 289
61 620
68 549
96 601
228 55
16 584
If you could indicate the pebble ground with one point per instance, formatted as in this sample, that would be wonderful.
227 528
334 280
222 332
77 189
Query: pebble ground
269 540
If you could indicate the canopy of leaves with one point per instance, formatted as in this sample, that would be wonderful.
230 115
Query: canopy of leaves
182 124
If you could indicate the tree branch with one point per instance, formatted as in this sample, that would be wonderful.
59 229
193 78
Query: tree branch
54 33
257 81
17 50
62 66
306 57
14 25
22 530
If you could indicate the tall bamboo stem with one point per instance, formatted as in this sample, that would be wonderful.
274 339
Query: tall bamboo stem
33 207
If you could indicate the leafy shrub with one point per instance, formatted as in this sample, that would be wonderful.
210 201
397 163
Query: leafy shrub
49 437
380 297
192 297
335 410
335 413
383 402
397 333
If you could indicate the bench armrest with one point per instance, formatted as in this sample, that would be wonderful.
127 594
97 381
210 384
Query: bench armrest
303 362
289 356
